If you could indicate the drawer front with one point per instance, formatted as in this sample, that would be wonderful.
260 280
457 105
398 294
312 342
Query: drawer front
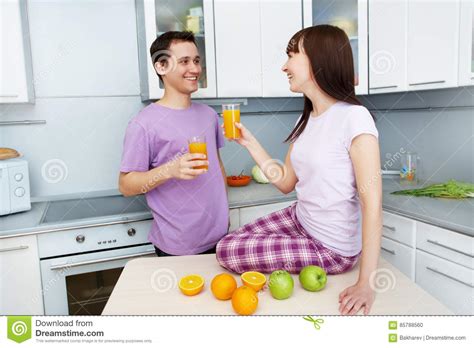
447 244
399 255
251 214
399 228
450 283
111 236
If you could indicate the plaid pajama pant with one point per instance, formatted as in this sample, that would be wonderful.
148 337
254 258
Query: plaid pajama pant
278 241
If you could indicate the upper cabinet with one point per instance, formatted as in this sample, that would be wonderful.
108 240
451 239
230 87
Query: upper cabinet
280 20
466 43
397 45
433 37
242 43
388 45
238 48
15 65
413 45
351 16
251 40
155 17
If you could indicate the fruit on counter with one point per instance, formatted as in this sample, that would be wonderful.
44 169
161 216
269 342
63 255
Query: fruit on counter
191 285
450 189
244 300
258 175
313 278
281 284
223 286
254 280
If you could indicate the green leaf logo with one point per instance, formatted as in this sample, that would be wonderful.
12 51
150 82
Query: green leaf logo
19 328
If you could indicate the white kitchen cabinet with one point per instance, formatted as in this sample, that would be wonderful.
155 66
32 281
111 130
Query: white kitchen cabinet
452 246
16 70
20 285
157 16
351 16
251 214
238 48
433 42
399 255
466 43
399 228
251 40
449 282
280 20
438 260
388 20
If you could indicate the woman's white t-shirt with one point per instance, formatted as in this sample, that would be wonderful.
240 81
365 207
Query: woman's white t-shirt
328 202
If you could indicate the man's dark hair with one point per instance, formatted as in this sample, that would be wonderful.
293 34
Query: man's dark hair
160 47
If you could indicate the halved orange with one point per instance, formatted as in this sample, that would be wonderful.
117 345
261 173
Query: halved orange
191 285
254 280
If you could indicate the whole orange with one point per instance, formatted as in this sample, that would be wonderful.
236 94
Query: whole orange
223 286
244 300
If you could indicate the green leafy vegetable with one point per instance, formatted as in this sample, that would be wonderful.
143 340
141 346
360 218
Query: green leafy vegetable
450 189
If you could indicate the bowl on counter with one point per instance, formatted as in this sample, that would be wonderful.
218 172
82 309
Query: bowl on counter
236 181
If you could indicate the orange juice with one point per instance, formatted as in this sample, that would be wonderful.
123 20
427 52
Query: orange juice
199 148
231 116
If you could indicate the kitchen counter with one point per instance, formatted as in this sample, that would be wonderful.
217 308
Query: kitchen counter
452 214
29 222
456 215
149 286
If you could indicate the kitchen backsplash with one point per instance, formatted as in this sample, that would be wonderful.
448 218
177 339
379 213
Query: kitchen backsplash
443 137
87 89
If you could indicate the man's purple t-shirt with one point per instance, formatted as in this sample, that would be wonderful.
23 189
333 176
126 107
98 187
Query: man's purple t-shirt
190 216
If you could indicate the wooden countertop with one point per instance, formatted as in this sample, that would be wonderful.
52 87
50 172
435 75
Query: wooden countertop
149 286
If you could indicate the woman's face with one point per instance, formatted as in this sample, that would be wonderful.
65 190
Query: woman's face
298 70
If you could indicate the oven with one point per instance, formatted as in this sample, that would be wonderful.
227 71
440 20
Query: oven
80 266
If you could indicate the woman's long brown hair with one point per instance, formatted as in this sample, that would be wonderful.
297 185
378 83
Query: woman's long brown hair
330 56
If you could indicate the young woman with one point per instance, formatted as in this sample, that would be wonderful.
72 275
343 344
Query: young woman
333 163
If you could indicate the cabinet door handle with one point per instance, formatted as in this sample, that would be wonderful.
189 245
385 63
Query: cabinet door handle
391 228
448 276
426 83
21 247
383 87
388 250
449 248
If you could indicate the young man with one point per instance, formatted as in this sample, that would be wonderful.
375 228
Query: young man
189 205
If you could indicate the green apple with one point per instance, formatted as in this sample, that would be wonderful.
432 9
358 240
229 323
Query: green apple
281 284
313 278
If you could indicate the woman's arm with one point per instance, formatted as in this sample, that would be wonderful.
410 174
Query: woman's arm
365 156
283 177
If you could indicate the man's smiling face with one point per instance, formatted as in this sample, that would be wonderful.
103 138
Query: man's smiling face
183 69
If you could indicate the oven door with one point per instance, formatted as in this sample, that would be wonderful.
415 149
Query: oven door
82 284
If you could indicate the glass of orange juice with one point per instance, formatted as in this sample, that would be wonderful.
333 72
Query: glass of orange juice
198 145
231 114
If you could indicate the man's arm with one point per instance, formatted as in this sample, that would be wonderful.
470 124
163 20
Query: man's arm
135 183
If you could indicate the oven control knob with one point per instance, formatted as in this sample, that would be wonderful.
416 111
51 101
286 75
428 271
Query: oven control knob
19 192
131 232
18 176
80 238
